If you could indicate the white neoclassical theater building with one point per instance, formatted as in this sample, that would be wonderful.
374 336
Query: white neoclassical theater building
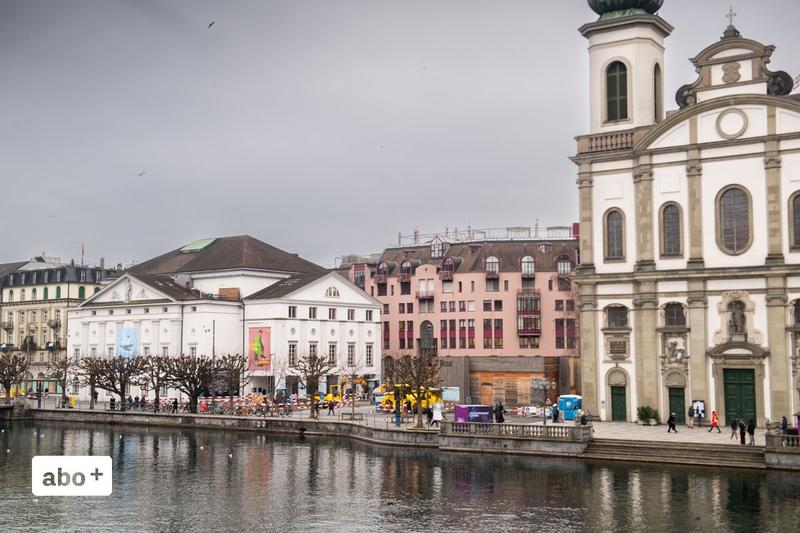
230 295
690 226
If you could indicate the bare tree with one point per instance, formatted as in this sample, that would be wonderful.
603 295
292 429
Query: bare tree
192 375
351 371
89 371
117 374
13 369
156 373
60 369
234 372
280 369
310 369
420 373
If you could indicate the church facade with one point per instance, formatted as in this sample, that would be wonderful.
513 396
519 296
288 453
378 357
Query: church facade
689 276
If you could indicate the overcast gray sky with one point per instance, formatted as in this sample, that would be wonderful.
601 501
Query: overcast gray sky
322 127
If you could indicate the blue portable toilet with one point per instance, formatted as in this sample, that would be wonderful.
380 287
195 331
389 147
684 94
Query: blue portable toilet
569 404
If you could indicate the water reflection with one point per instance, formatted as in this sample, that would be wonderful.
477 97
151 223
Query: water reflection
179 480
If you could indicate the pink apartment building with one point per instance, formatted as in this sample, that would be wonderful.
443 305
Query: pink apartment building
502 311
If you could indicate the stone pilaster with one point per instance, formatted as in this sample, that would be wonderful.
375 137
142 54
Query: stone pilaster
645 314
694 174
587 304
779 352
643 187
698 315
585 183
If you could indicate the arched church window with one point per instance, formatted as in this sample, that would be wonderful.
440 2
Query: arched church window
794 219
617 316
733 220
616 91
657 94
674 315
615 235
332 292
671 229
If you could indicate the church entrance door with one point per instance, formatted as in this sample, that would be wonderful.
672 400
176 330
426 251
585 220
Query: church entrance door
677 404
618 407
740 394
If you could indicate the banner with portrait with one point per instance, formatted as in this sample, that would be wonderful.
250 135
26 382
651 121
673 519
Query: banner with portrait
127 342
259 348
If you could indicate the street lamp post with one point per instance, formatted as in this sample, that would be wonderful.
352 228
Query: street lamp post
544 385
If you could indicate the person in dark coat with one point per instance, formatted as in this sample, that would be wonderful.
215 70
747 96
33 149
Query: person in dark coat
174 405
112 403
784 425
734 427
555 413
742 429
671 423
751 430
499 417
429 416
690 417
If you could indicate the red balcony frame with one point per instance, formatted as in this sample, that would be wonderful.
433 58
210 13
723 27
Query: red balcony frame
529 332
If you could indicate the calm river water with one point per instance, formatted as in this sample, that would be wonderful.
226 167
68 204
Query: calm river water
212 481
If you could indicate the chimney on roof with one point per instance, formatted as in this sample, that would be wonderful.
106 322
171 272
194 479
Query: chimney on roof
188 284
102 263
119 267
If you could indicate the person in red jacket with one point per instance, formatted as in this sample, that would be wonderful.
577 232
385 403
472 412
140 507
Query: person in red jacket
714 422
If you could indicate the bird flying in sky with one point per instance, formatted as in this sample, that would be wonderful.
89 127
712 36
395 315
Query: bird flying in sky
212 23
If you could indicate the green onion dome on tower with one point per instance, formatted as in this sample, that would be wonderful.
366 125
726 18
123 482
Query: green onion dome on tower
611 9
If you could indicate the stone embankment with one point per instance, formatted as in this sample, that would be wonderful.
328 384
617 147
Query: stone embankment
781 452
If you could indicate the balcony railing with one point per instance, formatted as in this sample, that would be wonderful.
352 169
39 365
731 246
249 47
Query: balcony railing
446 275
6 346
528 292
529 312
404 277
492 274
8 326
424 295
604 142
528 275
529 332
55 323
426 349
380 277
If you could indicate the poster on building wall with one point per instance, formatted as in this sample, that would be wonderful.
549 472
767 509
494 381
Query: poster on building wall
127 342
259 348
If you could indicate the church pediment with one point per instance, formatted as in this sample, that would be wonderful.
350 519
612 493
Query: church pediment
737 350
730 117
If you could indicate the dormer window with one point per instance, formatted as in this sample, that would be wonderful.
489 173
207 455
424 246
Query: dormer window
332 292
528 266
492 265
437 248
564 265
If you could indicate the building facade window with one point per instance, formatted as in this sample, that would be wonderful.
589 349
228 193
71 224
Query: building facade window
369 315
58 293
292 354
617 316
615 235
368 353
564 265
292 311
332 313
674 315
734 234
332 353
616 92
332 292
81 292
312 313
671 230
351 354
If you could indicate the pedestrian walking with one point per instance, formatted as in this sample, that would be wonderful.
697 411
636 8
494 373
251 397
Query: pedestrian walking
690 417
734 428
671 423
130 402
174 406
555 413
330 408
429 416
112 403
500 413
438 416
742 429
784 425
714 422
751 430
697 417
